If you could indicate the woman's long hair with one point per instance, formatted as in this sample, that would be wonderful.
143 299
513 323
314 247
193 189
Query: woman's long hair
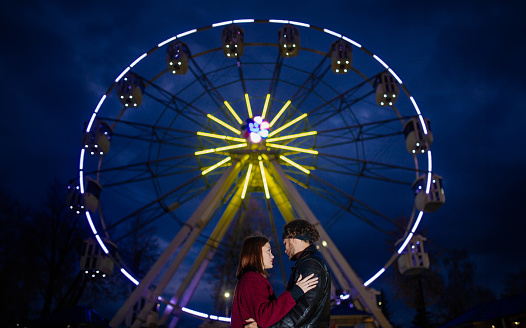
251 256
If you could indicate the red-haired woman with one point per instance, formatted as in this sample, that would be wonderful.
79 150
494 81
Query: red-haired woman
254 297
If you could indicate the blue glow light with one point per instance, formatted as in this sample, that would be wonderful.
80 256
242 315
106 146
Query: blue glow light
255 129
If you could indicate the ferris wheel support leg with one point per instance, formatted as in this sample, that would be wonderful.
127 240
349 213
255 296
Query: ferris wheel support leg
280 199
189 232
191 281
287 212
304 211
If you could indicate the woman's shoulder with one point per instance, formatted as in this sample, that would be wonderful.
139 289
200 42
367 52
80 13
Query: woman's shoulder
251 276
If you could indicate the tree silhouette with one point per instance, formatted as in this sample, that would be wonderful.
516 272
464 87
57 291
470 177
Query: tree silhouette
17 262
420 291
515 283
460 293
40 258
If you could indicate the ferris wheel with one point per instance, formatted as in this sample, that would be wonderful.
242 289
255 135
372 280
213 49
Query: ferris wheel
303 120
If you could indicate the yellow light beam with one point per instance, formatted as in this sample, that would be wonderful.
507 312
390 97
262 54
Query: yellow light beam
213 118
293 136
296 165
247 178
233 112
220 136
283 127
249 109
213 167
214 150
266 106
267 194
300 150
280 112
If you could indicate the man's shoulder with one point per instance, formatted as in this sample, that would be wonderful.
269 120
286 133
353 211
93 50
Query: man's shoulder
312 259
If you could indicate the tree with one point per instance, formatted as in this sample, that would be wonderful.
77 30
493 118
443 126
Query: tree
515 283
17 262
460 293
139 250
386 308
56 236
417 291
39 254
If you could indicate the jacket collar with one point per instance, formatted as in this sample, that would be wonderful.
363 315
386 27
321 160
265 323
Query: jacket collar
306 252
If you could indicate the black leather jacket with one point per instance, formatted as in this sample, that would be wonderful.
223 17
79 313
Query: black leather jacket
312 309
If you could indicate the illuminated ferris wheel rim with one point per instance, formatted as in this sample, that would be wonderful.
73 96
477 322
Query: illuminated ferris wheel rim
408 233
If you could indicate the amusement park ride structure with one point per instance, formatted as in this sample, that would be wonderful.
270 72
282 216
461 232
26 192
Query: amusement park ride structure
180 144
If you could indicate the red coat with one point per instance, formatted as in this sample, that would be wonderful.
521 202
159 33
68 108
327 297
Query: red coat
254 298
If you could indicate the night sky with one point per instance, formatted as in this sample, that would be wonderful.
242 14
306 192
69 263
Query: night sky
462 61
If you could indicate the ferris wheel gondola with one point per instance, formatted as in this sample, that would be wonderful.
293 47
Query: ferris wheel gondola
194 135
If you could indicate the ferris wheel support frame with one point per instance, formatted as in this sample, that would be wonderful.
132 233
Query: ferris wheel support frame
287 199
188 233
339 264
187 288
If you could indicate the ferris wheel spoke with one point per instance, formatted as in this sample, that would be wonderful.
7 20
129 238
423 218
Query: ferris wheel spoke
347 207
372 165
209 88
352 201
153 203
314 78
274 80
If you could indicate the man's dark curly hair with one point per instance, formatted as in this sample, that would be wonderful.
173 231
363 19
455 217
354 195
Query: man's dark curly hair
301 229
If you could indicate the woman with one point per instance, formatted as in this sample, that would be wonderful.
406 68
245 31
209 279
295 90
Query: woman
254 297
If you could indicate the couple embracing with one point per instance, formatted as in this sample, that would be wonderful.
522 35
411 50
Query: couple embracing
305 303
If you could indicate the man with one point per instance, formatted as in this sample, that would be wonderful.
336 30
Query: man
313 308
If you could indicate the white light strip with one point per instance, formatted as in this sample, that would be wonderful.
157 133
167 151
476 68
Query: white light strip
100 103
225 319
222 23
332 33
401 249
101 244
279 21
415 105
380 61
424 128
429 161
417 221
81 181
373 278
138 59
90 221
81 163
299 24
429 177
243 21
166 41
91 122
352 41
129 276
186 33
214 317
395 76
196 313
122 74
